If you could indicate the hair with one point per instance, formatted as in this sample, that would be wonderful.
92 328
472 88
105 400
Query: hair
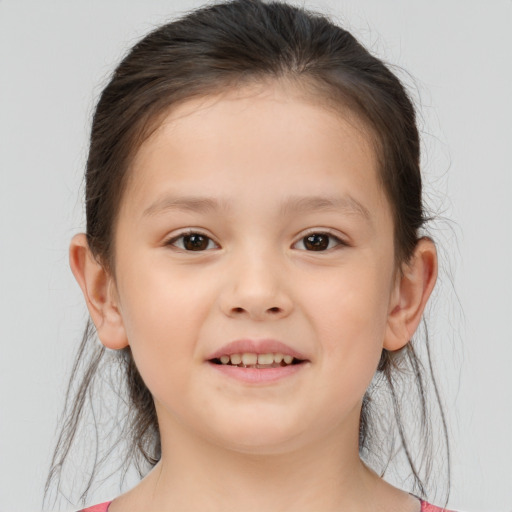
209 51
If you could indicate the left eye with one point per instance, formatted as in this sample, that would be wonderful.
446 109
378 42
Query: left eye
319 241
193 242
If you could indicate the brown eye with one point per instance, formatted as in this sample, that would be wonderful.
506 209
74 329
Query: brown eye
316 242
195 242
320 241
192 242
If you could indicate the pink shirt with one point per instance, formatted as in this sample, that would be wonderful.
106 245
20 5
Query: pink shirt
425 507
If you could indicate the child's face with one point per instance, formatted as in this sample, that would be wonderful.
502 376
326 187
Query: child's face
253 161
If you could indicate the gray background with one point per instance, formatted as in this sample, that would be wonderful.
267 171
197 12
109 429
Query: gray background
54 57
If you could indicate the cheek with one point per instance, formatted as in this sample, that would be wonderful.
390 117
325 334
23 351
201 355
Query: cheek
350 318
162 301
354 307
162 314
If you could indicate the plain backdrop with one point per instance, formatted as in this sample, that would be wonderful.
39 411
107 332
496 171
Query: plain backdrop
55 55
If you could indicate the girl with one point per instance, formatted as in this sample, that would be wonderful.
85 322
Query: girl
255 260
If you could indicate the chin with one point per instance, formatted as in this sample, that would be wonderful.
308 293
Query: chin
259 435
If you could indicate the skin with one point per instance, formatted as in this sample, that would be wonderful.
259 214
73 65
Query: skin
228 445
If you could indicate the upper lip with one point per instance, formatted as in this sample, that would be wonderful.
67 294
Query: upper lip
256 346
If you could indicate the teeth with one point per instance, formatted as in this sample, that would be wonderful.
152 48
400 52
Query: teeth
250 359
265 358
235 358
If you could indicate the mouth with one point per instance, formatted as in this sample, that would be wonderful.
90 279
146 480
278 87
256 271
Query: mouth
259 361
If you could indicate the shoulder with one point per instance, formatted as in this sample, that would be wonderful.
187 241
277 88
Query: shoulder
428 507
102 507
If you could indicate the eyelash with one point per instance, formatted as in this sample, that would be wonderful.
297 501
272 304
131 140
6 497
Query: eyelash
332 236
185 234
340 242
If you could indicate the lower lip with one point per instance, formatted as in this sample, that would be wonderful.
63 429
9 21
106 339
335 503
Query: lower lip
258 375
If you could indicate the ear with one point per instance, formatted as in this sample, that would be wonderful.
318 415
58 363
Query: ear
412 290
100 293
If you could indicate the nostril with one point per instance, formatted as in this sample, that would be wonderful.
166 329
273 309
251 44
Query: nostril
274 311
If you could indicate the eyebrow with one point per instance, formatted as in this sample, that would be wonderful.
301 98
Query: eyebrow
198 204
292 205
346 204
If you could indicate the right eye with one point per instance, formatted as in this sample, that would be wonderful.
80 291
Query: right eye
192 241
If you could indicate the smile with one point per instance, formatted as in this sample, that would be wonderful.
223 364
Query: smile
260 361
257 361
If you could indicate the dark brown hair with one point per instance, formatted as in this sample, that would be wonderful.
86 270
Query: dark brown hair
208 51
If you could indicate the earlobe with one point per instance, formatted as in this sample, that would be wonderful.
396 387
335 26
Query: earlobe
413 288
99 292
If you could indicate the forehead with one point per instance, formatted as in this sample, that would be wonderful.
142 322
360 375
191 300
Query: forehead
233 139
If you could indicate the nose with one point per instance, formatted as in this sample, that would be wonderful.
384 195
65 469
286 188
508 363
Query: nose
256 289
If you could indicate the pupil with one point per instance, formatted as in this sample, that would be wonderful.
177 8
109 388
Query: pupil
317 242
195 242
